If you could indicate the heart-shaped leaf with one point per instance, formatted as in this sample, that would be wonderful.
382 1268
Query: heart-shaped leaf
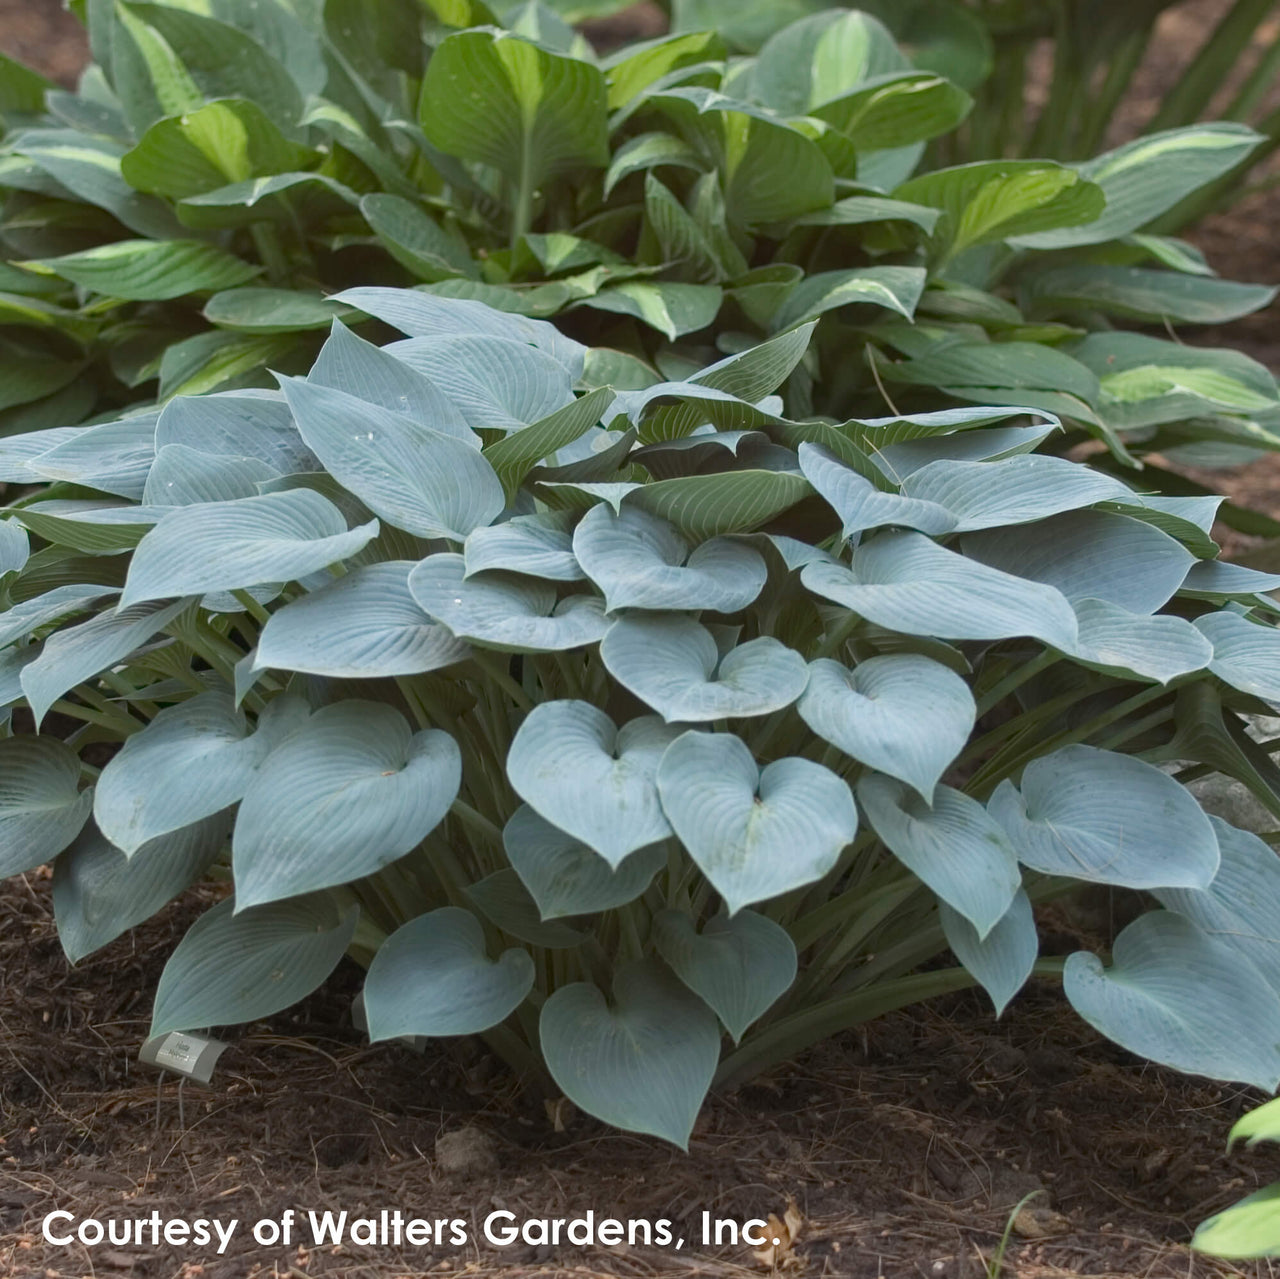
755 833
419 479
1242 905
953 844
535 545
191 761
238 424
1109 819
1003 959
1175 995
235 966
433 977
641 561
590 779
502 611
345 794
673 664
902 713
99 893
225 546
1117 641
41 806
565 876
905 582
643 1064
739 966
366 625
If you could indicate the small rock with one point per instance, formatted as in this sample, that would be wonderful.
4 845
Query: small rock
1040 1223
467 1152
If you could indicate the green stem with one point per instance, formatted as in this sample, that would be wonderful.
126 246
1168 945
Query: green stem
252 607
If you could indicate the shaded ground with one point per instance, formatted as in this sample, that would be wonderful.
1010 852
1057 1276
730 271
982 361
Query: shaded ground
904 1150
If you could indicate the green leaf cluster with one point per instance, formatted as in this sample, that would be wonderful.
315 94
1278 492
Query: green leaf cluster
653 734
190 218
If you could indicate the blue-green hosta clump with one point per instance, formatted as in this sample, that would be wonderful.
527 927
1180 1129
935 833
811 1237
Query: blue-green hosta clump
653 735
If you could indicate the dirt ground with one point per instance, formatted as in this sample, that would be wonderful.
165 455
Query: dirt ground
904 1149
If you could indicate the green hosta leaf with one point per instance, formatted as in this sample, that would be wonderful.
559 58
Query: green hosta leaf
350 364
1013 366
1141 294
80 652
531 113
1147 177
941 35
193 760
640 561
1257 1125
650 151
415 239
672 663
896 288
1247 1229
951 843
41 807
152 270
1003 959
217 59
565 876
90 526
499 610
202 150
755 833
707 506
994 200
501 383
901 713
99 893
1089 555
535 545
907 583
739 966
821 58
634 67
592 780
1242 905
21 89
90 168
1245 654
365 625
225 546
673 309
421 315
642 1064
897 109
1117 641
348 792
270 311
1108 819
433 976
418 479
233 967
514 456
860 504
1218 580
1179 997
683 241
770 171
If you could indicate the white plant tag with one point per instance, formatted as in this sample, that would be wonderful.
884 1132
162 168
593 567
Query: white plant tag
184 1053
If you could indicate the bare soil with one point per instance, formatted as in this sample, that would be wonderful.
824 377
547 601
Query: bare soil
904 1149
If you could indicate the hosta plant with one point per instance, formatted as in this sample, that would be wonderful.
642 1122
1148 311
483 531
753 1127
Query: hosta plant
652 735
184 221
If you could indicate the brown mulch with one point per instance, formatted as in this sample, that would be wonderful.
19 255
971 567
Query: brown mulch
904 1147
